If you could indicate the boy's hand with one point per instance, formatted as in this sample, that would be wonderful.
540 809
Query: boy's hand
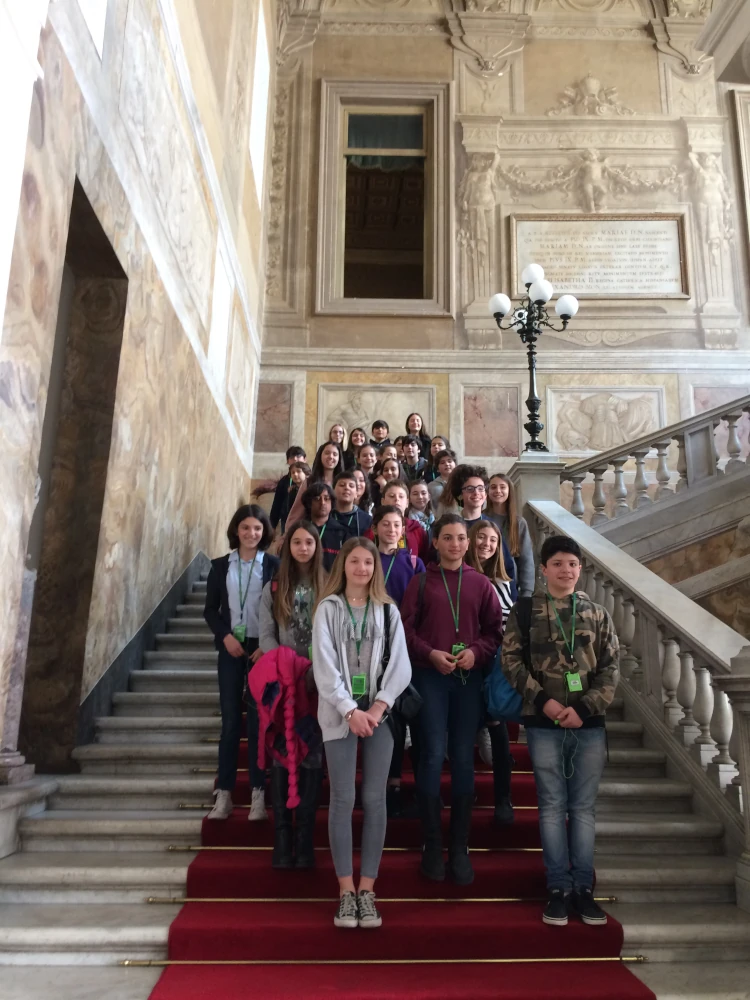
553 709
465 659
569 718
443 662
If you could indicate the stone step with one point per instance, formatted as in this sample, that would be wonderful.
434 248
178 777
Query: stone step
141 704
189 625
673 932
174 680
77 983
180 758
113 793
193 610
187 729
194 600
199 587
167 642
181 659
690 981
99 934
94 877
90 830
150 830
122 877
87 934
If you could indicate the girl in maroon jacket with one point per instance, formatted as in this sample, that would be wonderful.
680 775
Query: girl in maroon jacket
453 625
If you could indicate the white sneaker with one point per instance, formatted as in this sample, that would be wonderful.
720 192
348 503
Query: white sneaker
484 746
258 805
223 807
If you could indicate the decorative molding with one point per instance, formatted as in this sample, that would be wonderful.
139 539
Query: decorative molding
485 136
550 359
676 39
490 43
353 27
589 97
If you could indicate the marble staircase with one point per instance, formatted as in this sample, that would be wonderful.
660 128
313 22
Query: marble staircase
75 892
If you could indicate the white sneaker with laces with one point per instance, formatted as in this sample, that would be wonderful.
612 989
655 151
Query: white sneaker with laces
367 913
484 746
347 914
223 806
258 805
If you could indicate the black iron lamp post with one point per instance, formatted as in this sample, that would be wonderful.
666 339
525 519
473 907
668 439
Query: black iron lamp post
528 319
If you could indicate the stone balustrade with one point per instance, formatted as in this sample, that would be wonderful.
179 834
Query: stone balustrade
690 445
675 655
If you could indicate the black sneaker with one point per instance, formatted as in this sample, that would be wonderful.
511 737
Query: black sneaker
368 913
583 903
504 812
393 801
556 910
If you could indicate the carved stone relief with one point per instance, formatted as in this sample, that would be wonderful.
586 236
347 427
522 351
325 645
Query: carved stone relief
714 221
689 8
584 422
277 194
477 238
589 96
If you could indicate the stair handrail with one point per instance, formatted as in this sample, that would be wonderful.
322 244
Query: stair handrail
692 442
671 431
671 649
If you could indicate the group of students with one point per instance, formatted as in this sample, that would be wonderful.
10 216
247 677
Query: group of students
375 620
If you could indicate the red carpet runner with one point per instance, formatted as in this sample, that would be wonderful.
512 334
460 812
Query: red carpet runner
440 932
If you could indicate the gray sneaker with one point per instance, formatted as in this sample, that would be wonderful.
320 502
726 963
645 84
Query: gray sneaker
346 915
369 915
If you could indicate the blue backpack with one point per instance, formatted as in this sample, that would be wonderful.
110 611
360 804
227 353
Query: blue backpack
503 701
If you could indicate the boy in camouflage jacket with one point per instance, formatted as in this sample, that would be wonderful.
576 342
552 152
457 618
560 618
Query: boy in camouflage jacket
566 672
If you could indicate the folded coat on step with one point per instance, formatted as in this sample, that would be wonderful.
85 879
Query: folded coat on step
286 707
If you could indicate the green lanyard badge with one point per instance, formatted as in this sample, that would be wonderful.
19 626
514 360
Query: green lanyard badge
359 680
457 647
572 678
240 631
390 567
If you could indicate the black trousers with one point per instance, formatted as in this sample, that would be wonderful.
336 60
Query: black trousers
232 672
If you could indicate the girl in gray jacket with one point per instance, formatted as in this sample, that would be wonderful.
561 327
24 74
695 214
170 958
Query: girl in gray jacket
355 691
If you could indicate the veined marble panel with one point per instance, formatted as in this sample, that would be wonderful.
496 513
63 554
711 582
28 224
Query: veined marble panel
707 397
154 128
273 416
170 446
491 421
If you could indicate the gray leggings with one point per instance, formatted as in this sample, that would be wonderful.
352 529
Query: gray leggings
341 757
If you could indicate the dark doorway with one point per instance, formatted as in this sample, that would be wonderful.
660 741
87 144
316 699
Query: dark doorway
73 460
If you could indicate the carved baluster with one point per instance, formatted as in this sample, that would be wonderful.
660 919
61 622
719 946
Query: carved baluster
721 768
589 584
734 448
703 707
670 679
734 789
636 649
714 425
662 471
598 500
626 633
686 730
577 507
617 612
641 481
598 587
620 490
608 599
682 482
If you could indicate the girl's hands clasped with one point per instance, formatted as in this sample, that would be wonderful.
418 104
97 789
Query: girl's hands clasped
360 723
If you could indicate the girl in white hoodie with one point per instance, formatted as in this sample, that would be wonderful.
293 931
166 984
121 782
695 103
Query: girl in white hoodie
355 691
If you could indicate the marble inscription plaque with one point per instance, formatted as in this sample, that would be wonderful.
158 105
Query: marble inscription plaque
613 255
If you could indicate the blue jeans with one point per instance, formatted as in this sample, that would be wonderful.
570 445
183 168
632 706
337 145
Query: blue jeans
231 685
456 707
568 853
